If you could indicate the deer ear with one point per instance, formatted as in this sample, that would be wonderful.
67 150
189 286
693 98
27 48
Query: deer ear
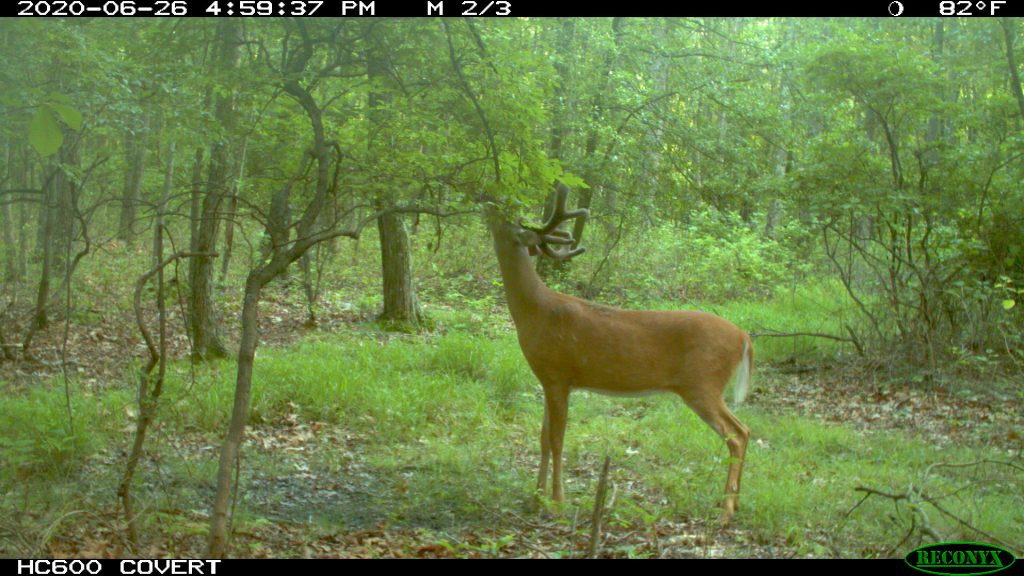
532 250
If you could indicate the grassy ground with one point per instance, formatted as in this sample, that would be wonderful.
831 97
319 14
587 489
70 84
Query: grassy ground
366 443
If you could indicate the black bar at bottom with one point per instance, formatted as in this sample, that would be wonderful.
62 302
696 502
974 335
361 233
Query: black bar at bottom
231 567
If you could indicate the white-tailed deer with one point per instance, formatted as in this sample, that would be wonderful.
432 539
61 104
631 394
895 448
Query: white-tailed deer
575 344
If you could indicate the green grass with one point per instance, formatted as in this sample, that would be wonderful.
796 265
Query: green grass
448 431
37 439
822 307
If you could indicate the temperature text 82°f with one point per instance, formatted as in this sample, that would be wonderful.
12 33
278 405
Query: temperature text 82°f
473 8
970 7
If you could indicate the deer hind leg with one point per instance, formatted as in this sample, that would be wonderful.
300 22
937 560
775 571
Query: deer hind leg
722 421
545 452
557 410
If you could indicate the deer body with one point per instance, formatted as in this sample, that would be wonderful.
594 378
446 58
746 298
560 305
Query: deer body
571 343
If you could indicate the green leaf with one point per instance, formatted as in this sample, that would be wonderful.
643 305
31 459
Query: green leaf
70 115
44 132
571 180
1007 304
57 97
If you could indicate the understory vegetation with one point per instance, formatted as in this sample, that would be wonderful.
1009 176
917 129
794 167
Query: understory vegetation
425 443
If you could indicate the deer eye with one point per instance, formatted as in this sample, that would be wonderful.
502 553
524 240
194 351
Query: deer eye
526 237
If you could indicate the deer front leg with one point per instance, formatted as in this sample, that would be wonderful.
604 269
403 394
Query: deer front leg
545 452
557 409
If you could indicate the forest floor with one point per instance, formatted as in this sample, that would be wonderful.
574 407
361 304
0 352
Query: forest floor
101 345
97 354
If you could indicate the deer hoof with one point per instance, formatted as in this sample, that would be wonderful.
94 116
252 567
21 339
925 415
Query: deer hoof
729 510
726 518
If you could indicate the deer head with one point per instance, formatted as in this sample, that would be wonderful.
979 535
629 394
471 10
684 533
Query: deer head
548 238
548 235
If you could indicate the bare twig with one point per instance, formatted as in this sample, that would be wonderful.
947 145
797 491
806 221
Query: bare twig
929 469
148 395
963 522
140 284
777 334
595 518
914 495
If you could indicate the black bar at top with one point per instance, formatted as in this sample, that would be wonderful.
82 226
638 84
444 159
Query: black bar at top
511 8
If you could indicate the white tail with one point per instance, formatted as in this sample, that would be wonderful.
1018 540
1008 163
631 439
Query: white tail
743 373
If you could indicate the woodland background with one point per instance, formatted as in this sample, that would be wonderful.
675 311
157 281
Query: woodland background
175 193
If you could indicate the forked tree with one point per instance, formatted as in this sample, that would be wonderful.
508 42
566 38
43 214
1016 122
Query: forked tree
572 344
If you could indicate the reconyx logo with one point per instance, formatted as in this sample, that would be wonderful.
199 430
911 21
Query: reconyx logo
959 558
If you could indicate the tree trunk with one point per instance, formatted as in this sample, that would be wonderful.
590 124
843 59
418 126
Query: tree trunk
562 98
48 217
400 303
781 157
306 267
229 221
1009 35
63 224
229 236
23 218
283 254
206 341
772 218
164 196
135 158
150 389
196 193
58 230
936 125
239 414
598 107
12 179
196 197
10 248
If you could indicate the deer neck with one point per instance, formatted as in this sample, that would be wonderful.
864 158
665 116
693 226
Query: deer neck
524 290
